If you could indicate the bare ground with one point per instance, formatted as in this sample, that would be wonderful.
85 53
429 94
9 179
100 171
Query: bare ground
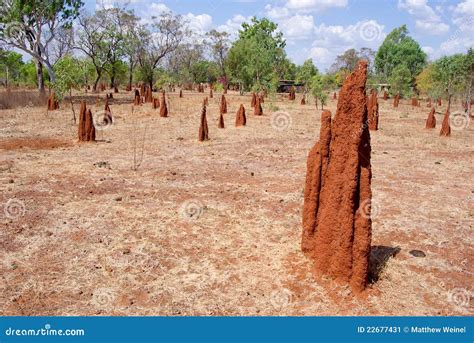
214 228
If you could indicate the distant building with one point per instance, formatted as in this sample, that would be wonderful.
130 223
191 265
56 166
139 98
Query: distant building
284 86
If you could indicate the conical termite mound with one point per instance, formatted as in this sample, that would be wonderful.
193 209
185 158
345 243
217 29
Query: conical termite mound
431 120
163 106
148 94
396 100
373 110
336 214
223 108
292 93
254 100
445 127
116 89
303 101
53 103
211 93
385 95
86 129
240 119
156 103
257 110
107 113
220 123
137 99
180 93
334 96
203 129
206 101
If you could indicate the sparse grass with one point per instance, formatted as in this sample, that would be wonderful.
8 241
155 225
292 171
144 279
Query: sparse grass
21 98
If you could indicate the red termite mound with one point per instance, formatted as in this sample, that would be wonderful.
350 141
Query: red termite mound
203 129
223 104
206 101
396 100
211 93
414 102
156 103
220 123
148 95
163 106
240 119
142 90
292 94
254 100
431 120
373 110
258 107
445 127
303 101
336 214
334 96
385 95
116 89
137 100
53 104
86 130
440 103
180 93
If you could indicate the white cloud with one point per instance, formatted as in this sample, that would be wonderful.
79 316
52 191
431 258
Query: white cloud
315 5
427 21
199 23
232 26
297 27
428 50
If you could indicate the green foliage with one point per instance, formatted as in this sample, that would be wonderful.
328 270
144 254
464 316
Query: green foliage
204 71
69 75
163 79
450 73
13 62
317 88
305 72
400 80
257 54
397 49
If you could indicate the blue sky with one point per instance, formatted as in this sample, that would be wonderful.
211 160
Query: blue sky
323 29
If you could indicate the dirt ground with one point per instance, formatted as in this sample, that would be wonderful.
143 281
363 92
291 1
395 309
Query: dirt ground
214 228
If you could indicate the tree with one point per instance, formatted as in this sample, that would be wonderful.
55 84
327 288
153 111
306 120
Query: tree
257 57
449 72
399 48
132 33
400 80
426 83
164 36
31 26
219 43
182 60
317 90
349 59
305 73
10 65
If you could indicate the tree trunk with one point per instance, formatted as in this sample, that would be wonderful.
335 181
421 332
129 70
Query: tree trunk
130 75
96 82
39 76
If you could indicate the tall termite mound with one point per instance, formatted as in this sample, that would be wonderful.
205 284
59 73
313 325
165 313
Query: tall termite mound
203 129
254 100
334 96
240 119
385 95
137 100
257 110
336 212
445 127
148 94
292 94
156 103
53 104
180 93
396 100
373 110
211 93
303 101
107 113
86 129
223 108
431 120
163 106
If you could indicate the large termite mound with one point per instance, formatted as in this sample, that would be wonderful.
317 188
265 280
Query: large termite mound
431 120
445 127
156 103
223 108
203 129
163 106
254 100
336 212
137 99
240 119
86 129
373 110
258 107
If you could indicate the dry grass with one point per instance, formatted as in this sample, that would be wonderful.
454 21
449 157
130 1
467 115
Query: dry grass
214 228
21 98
